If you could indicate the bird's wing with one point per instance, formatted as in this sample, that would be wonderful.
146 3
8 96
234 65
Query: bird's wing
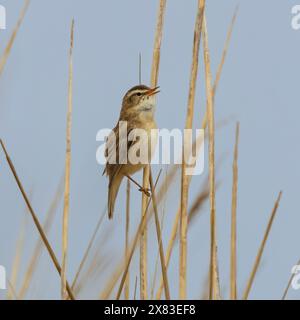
114 143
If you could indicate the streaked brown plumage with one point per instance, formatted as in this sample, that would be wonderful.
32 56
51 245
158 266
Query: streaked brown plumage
137 110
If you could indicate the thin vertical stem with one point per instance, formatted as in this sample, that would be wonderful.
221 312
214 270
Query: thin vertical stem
68 171
126 289
184 176
154 80
140 68
261 248
214 278
135 288
233 292
157 43
159 240
143 242
135 240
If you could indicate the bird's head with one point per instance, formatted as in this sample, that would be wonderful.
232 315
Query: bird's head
139 99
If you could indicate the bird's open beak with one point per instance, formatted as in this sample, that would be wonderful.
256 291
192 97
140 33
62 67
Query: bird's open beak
152 92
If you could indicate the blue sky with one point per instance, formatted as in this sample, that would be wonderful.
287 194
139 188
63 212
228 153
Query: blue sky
258 87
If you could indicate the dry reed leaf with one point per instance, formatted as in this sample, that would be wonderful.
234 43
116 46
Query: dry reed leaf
7 50
34 217
89 247
39 244
197 204
228 38
261 248
98 263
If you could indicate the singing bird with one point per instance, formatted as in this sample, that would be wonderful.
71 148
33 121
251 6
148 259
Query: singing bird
138 108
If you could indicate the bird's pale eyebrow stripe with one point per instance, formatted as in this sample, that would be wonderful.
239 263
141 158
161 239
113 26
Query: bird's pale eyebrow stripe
133 92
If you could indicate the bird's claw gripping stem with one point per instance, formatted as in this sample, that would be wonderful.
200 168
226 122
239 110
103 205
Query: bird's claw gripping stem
146 191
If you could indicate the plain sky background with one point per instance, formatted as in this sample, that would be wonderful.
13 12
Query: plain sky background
259 87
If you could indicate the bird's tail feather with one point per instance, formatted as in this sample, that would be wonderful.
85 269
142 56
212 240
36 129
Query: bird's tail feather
113 189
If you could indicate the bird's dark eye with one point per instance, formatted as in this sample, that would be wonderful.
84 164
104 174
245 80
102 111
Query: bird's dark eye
138 94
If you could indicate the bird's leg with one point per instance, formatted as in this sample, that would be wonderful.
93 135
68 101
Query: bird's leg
142 189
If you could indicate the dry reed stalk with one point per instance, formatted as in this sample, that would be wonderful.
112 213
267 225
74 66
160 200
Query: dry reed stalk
261 248
17 258
143 241
289 283
157 43
161 193
157 256
112 281
159 240
117 272
7 50
174 236
198 143
169 251
138 233
126 289
184 176
233 291
66 209
154 79
214 291
34 217
39 244
123 267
